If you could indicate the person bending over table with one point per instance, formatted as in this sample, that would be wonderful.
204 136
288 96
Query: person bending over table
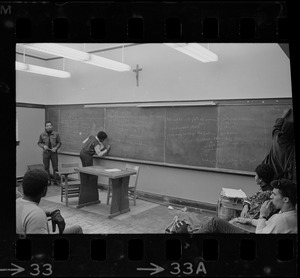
284 198
91 146
30 218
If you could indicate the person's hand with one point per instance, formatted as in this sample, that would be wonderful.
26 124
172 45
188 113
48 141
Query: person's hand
53 149
58 220
45 148
181 227
266 208
244 212
243 220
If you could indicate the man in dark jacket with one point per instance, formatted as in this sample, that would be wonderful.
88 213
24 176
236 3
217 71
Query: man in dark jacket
282 154
50 142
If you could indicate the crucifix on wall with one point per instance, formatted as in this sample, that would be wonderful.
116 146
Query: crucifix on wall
137 74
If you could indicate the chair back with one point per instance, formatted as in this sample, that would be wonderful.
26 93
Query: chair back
70 166
133 178
35 166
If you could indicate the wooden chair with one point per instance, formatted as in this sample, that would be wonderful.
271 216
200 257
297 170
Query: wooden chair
69 181
132 183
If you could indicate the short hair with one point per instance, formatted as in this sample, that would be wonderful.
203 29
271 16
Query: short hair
48 122
34 182
101 135
265 172
287 188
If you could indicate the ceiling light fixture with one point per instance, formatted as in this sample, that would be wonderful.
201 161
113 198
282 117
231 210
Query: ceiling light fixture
195 50
42 70
73 54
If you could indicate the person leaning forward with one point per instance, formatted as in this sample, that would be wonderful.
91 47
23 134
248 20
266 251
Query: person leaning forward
50 142
91 146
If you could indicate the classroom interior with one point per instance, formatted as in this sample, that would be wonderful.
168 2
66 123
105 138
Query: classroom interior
193 128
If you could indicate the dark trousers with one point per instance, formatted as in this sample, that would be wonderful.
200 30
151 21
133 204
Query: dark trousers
218 225
87 160
53 157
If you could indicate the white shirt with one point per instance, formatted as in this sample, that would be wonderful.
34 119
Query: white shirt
30 218
279 223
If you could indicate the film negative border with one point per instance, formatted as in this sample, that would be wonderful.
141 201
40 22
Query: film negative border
137 255
148 255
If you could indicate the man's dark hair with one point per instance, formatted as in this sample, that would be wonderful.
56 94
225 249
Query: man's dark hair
265 172
48 122
287 188
101 135
34 182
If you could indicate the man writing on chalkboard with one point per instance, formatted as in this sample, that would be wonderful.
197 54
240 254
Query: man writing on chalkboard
93 145
282 154
50 142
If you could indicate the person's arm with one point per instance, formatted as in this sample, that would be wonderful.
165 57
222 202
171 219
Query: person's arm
58 144
262 222
102 152
42 144
37 223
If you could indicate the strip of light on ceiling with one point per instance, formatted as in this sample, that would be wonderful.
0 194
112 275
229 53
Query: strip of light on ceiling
196 51
42 70
73 54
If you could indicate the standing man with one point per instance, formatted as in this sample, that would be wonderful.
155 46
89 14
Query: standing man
50 142
282 153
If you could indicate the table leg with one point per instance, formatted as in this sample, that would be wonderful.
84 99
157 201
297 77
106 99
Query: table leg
88 190
119 200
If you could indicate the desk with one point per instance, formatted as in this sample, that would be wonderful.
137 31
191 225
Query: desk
89 188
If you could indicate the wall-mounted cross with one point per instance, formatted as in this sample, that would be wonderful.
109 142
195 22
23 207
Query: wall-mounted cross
137 74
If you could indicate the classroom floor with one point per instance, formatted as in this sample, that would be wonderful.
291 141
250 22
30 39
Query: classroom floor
145 217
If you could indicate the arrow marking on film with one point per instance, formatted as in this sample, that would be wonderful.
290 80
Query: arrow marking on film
156 269
17 270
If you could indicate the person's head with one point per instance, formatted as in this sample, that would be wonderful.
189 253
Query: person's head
101 136
264 174
48 126
35 183
284 193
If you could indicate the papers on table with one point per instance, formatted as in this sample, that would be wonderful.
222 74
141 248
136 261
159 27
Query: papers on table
112 170
233 193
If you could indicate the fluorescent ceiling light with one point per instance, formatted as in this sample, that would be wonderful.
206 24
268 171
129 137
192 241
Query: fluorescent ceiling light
42 70
196 51
59 50
107 63
73 54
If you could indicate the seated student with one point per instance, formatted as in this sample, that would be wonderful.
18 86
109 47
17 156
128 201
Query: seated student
264 174
30 218
284 198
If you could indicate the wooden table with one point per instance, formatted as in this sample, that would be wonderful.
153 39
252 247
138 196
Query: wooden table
89 188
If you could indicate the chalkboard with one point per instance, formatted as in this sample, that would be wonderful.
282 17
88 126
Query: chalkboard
244 137
223 136
76 124
136 133
191 136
